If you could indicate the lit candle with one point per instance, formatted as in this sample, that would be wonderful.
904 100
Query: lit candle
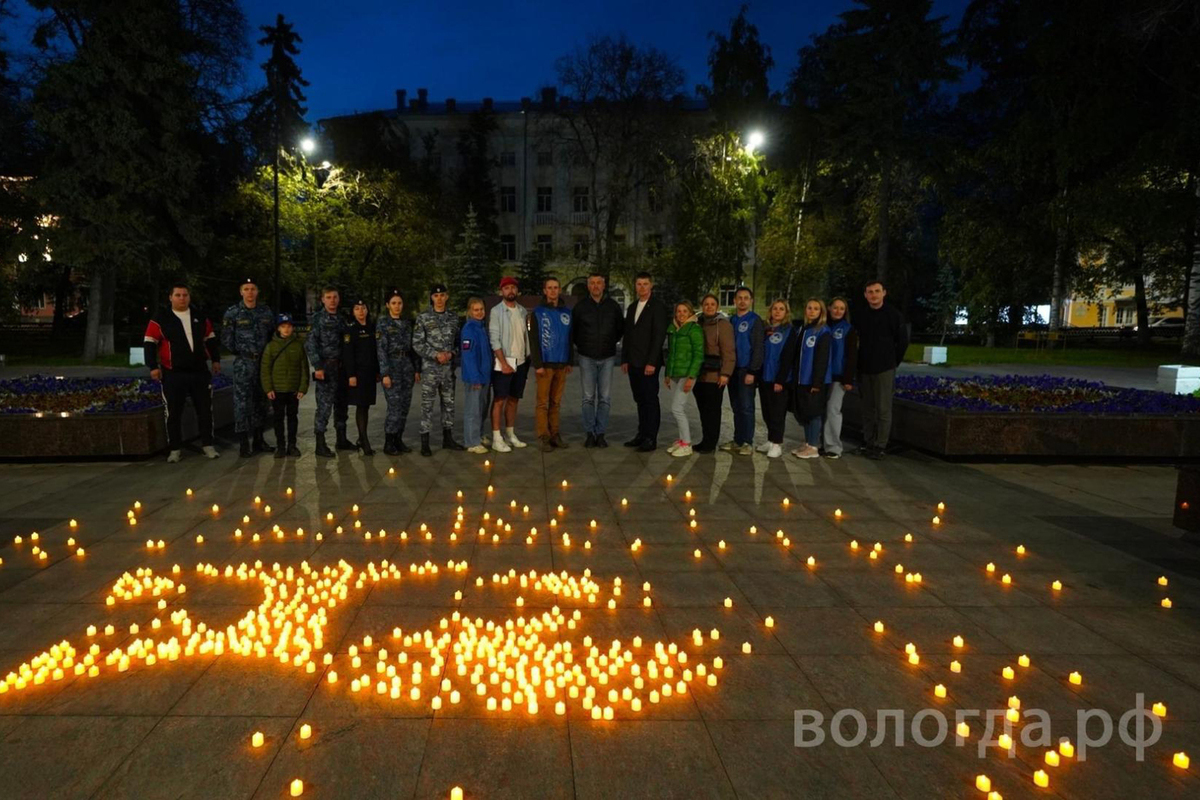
812 561
1040 778
1181 760
746 647
297 787
729 602
1023 660
1056 586
1066 748
936 520
955 666
939 690
1009 673
963 730
958 641
770 622
305 731
1051 758
456 793
1020 549
837 512
1166 602
1162 580
1006 578
879 626
1159 709
991 567
983 783
908 537
256 740
941 506
1004 741
1075 678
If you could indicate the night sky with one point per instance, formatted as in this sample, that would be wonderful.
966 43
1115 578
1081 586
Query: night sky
356 53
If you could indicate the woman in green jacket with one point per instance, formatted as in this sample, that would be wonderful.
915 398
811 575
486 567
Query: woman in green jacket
284 375
685 353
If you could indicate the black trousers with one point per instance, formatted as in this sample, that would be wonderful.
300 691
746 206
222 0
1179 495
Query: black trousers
645 395
774 409
177 387
708 401
286 405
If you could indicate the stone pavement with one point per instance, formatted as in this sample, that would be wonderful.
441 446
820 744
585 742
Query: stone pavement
183 726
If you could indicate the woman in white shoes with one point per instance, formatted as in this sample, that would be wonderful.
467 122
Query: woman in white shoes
811 376
843 360
685 354
776 373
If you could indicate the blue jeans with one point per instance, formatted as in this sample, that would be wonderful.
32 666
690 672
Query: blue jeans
473 413
596 374
812 432
741 403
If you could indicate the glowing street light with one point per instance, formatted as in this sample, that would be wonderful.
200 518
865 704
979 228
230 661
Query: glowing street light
754 141
308 145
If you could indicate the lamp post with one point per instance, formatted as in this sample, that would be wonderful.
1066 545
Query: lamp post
307 145
754 140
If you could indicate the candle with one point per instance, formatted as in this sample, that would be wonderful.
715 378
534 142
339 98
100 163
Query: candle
991 567
670 477
879 626
786 501
939 690
812 561
958 641
983 783
1162 580
1040 778
456 793
1056 586
936 520
913 658
1181 760
746 647
908 537
941 506
955 666
1166 602
297 787
1008 673
1020 549
1159 709
305 731
1066 748
729 602
624 501
1075 678
963 730
1023 660
1006 578
1051 758
770 622
256 740
837 512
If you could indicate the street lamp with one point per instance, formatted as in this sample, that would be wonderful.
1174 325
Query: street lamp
754 141
308 146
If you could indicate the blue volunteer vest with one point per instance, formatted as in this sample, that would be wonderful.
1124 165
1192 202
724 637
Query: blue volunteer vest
808 349
554 333
837 346
772 351
743 327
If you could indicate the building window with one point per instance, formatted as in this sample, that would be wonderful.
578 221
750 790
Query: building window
725 294
579 200
1102 317
654 199
508 247
508 199
545 245
654 243
545 199
545 158
580 247
508 159
1126 315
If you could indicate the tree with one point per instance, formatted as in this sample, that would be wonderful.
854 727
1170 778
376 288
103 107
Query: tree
622 118
474 266
127 141
738 64
871 82
532 271
276 115
476 189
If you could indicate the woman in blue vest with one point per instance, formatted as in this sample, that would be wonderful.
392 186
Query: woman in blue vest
748 352
810 376
776 373
843 360
476 352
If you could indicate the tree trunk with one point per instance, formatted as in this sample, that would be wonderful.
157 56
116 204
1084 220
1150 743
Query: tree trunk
1191 325
106 340
91 339
1139 298
62 296
1059 278
885 191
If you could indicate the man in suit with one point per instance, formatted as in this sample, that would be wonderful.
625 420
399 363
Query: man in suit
641 357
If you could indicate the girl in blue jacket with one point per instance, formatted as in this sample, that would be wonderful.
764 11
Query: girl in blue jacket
811 376
476 355
776 374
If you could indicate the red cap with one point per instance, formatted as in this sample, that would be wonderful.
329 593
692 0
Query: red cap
508 280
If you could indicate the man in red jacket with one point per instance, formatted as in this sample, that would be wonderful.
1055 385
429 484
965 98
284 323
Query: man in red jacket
178 346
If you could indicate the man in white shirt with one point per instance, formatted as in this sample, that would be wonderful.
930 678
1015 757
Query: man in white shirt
507 333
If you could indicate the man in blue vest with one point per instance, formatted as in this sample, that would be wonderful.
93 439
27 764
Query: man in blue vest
748 346
550 354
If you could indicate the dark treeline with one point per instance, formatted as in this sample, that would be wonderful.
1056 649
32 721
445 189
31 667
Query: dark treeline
1041 149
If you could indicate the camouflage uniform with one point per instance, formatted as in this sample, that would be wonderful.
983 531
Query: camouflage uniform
398 361
435 333
324 349
245 333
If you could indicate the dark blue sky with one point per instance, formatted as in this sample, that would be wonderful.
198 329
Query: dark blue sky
356 53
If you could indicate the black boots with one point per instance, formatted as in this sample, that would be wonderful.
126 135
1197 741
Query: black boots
401 447
322 448
389 445
342 442
259 445
244 450
425 451
448 442
360 421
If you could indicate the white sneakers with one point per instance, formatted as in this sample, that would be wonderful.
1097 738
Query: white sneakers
675 446
501 446
211 452
175 457
774 450
513 440
764 447
478 449
684 449
807 451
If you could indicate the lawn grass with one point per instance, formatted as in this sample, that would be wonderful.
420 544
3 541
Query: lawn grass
966 355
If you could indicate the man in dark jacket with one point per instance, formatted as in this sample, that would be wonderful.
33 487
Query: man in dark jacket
596 327
882 340
642 355
178 346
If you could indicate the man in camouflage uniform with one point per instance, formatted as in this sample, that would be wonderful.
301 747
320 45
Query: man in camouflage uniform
435 339
399 366
245 331
324 350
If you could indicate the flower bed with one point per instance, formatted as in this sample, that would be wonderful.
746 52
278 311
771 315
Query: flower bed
70 418
47 395
1040 393
1038 417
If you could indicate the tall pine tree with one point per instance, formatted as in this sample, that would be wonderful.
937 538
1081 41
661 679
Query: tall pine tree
473 265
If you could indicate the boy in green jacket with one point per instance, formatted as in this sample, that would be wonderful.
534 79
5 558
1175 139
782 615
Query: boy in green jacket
285 380
685 354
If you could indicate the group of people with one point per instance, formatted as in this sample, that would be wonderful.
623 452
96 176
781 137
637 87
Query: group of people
804 366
